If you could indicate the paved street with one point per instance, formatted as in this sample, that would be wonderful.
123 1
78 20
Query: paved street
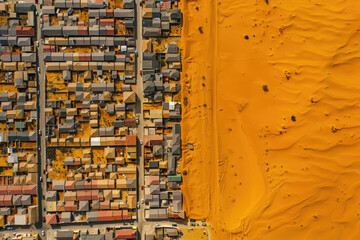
41 105
140 129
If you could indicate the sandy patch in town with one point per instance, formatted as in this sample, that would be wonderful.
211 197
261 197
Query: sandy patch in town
271 106
192 234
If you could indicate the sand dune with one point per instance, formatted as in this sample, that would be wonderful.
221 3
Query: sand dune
271 105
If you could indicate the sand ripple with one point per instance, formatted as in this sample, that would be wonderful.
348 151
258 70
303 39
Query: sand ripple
274 119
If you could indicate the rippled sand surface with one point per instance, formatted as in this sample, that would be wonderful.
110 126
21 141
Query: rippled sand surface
272 106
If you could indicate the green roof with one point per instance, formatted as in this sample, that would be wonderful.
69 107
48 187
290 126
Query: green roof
176 178
19 125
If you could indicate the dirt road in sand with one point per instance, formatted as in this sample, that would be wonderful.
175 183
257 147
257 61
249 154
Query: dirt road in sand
271 104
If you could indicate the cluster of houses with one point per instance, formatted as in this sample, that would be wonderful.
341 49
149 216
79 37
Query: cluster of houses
89 58
161 18
164 232
18 130
92 18
162 110
101 197
122 233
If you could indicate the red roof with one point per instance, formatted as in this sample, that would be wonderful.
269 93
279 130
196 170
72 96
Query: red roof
154 180
70 206
87 185
46 48
77 161
151 140
83 195
3 189
14 189
117 215
94 184
83 30
10 219
51 219
125 234
110 31
29 189
173 185
105 204
105 216
94 194
125 215
2 200
131 140
106 21
109 13
70 185
166 5
25 31
8 200
83 57
130 122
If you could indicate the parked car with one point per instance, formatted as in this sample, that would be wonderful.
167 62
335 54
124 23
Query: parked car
141 142
43 232
37 43
142 187
138 205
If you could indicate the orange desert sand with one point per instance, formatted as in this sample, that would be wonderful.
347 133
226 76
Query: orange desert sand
274 119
